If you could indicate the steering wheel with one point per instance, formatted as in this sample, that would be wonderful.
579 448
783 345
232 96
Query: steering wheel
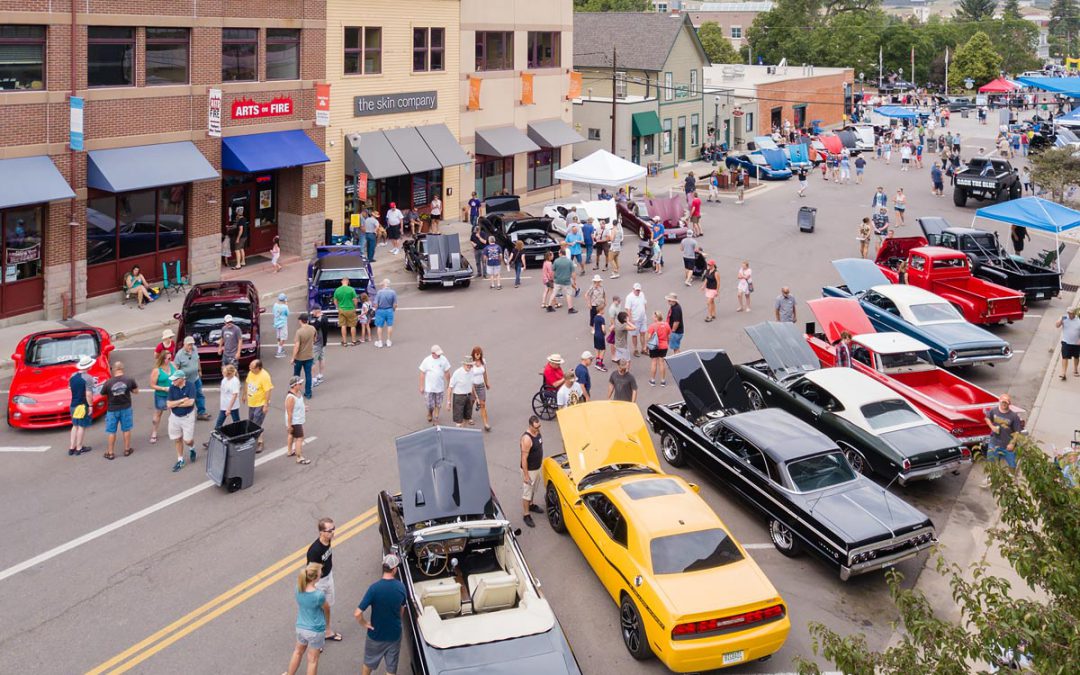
430 562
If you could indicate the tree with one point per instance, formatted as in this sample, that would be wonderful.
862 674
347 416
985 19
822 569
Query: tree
1011 9
1039 535
1055 169
612 5
717 46
975 10
975 59
1064 27
1015 41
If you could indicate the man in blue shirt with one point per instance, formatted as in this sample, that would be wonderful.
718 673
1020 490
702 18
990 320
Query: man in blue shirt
181 405
386 597
936 179
574 239
385 305
588 231
582 372
82 400
474 209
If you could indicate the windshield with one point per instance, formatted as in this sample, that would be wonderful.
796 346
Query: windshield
905 360
934 312
693 551
822 471
357 278
50 351
977 242
891 413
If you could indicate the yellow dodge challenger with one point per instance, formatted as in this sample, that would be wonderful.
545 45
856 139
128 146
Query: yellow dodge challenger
687 592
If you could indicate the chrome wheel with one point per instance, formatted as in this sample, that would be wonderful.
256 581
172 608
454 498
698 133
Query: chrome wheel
857 462
672 452
554 509
783 538
633 633
757 401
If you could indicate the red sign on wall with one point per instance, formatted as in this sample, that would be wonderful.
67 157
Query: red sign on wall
246 109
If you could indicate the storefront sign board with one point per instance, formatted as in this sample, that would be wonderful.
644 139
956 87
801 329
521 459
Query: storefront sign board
16 256
76 140
213 115
388 104
247 109
322 105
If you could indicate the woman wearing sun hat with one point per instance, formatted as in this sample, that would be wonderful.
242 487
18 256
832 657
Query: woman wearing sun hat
82 405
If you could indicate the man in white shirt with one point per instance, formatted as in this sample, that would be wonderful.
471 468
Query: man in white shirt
461 389
634 305
434 375
571 392
394 219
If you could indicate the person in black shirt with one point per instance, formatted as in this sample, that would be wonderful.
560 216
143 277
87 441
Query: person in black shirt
532 456
321 552
675 320
118 390
317 321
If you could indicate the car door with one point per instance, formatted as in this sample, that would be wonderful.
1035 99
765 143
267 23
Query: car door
607 533
805 400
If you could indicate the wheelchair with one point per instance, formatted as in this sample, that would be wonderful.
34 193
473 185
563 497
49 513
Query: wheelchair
543 402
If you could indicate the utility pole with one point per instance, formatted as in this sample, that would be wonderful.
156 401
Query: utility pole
614 86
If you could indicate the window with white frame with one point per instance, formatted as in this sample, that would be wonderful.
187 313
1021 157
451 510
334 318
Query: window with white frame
665 143
695 129
669 87
736 32
693 82
749 121
620 84
594 134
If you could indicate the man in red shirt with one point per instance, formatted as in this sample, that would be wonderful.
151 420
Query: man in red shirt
553 372
695 214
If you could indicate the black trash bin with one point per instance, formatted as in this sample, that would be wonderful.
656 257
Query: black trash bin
230 457
807 217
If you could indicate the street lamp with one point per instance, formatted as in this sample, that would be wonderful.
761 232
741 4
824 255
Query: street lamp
716 127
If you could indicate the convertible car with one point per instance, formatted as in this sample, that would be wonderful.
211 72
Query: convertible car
636 216
505 221
918 313
203 316
473 604
757 166
561 214
793 474
325 271
879 431
903 364
687 592
437 261
39 397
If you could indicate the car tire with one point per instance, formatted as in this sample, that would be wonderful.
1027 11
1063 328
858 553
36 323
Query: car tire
959 196
783 538
465 284
856 460
669 447
553 507
1014 191
757 399
633 630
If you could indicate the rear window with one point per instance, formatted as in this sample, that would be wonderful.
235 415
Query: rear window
693 551
934 312
51 351
822 471
884 414
950 263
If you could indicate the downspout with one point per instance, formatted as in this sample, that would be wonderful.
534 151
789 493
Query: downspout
71 154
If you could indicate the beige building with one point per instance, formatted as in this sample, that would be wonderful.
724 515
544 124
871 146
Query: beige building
661 116
734 18
516 145
395 106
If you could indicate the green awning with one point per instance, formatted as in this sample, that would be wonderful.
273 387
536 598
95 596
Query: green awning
646 123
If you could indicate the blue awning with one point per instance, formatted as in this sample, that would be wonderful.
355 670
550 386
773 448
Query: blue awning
1069 86
274 150
1033 212
31 180
147 166
896 112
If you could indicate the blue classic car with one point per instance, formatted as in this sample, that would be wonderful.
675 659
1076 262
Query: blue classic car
325 271
759 167
921 314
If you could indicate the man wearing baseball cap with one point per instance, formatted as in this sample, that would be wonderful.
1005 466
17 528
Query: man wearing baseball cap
187 360
386 598
229 342
434 377
181 405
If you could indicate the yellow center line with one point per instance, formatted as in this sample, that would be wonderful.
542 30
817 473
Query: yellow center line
226 601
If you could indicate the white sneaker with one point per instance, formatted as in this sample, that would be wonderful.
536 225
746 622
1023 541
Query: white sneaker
378 344
389 343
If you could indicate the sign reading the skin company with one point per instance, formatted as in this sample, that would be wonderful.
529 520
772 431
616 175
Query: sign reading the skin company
386 104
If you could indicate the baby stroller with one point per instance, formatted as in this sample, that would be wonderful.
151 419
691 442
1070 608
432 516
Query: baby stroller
645 256
699 265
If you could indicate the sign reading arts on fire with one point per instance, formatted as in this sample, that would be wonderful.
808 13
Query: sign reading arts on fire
247 109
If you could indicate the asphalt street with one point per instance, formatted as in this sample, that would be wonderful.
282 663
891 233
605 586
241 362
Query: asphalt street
123 566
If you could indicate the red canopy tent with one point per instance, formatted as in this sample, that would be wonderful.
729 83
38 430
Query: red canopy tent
998 86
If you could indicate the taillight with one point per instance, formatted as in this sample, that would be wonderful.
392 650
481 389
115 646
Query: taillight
907 465
728 623
965 451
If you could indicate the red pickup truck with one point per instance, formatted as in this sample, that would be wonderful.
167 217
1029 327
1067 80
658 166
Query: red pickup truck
947 273
901 363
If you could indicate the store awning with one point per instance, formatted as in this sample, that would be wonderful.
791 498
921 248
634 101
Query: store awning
503 142
275 150
553 134
147 166
373 155
645 123
413 151
444 145
31 180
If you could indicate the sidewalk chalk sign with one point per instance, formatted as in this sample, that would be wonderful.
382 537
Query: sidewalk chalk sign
76 139
213 115
322 105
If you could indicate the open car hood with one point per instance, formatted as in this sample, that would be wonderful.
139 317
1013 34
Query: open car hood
765 143
708 382
784 348
799 153
848 138
603 433
443 474
859 274
932 227
775 157
832 143
443 253
835 315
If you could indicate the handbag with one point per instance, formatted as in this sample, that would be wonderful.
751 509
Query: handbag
611 337
750 286
654 341
79 412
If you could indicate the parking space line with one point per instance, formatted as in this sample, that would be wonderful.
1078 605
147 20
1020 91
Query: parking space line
416 309
127 520
753 546
30 448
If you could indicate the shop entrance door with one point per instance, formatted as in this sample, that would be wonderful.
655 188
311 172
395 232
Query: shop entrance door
256 194
774 117
635 150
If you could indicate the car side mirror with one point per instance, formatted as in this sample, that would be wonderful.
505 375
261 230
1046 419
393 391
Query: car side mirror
578 504
16 357
108 349
176 316
695 487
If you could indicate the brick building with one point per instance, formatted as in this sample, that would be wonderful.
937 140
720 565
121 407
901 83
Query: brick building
156 181
734 18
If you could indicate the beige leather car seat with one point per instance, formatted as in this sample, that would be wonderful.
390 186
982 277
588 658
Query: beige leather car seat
493 591
443 595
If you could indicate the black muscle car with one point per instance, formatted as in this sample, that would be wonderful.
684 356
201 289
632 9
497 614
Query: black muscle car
437 261
473 605
505 221
799 479
878 430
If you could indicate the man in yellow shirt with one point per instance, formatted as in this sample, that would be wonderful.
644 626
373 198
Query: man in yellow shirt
256 394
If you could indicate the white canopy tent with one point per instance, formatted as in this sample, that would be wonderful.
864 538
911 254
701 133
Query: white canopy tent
602 168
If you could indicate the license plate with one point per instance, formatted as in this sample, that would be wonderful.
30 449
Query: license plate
448 283
935 475
733 657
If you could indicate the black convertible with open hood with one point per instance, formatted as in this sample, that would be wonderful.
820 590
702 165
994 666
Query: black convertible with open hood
473 604
797 477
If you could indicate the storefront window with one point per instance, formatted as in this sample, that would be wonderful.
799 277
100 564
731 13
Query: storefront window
101 229
239 54
22 57
265 204
167 55
110 56
132 224
494 175
542 166
171 217
695 130
282 54
22 244
136 213
666 135
649 144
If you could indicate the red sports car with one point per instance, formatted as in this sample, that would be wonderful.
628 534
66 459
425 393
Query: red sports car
39 397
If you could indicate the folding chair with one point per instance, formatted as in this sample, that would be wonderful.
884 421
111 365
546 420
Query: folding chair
176 284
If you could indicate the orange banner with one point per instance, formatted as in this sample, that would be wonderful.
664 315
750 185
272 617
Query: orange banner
526 89
575 86
474 93
322 105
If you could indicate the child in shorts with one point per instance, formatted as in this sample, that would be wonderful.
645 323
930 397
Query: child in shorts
275 254
363 318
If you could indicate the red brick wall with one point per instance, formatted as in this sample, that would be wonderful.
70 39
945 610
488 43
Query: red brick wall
824 96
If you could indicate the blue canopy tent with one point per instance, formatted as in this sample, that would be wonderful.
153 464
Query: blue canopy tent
776 158
1035 213
1070 119
1066 86
896 112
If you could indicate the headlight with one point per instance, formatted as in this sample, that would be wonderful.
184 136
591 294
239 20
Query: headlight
952 355
24 400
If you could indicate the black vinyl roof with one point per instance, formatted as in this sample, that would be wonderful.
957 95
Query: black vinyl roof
778 434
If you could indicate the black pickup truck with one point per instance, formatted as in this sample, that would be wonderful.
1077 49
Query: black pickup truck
989 260
986 179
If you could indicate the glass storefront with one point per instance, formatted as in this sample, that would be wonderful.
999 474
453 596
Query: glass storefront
254 197
22 285
542 166
494 175
413 191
